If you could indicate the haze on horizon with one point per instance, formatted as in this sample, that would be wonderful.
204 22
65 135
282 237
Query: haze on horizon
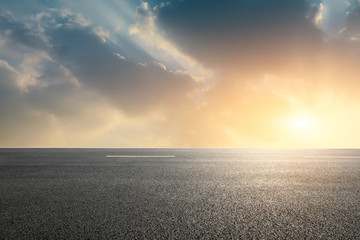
124 73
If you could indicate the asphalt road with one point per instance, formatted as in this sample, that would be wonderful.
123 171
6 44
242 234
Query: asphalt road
197 194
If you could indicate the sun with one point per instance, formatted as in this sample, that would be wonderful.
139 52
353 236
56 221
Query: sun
301 122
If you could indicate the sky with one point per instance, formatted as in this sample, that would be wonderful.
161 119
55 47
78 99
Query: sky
180 73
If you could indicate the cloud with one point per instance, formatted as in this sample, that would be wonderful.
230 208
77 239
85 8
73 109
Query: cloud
241 33
65 84
15 115
8 84
75 18
333 14
181 73
76 52
146 29
352 25
18 33
133 87
270 59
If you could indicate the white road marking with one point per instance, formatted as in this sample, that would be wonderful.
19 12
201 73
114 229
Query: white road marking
140 156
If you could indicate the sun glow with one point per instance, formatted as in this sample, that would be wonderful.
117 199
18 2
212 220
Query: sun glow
302 122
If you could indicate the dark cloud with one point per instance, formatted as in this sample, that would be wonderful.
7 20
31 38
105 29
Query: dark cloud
241 33
7 78
352 25
134 87
95 64
17 33
59 97
62 77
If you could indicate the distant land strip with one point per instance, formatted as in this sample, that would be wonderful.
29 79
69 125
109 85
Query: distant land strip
140 156
344 157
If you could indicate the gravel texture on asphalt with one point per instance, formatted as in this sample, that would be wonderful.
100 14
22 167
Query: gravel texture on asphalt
197 194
